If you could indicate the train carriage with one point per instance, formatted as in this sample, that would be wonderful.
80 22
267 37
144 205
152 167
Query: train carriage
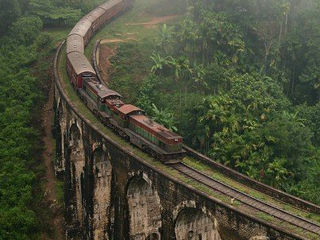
83 29
112 8
75 44
79 69
125 111
155 133
109 4
96 17
100 93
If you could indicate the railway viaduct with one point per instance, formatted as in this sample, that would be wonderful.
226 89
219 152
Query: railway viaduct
114 191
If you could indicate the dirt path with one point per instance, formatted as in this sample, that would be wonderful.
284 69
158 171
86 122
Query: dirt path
48 153
113 40
106 52
154 21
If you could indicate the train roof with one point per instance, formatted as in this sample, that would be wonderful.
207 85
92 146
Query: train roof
75 43
128 108
80 63
107 5
114 102
102 91
81 28
155 127
94 14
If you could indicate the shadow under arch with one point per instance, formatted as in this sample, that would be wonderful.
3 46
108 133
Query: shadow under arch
59 133
102 185
76 162
144 209
153 236
194 224
74 136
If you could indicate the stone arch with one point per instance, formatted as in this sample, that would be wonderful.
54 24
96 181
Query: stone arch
183 205
144 209
60 131
102 172
74 133
195 224
77 163
153 236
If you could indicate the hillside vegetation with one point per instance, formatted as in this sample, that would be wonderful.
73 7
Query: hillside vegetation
240 80
24 81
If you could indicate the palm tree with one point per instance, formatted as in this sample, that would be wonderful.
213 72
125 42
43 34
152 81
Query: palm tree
163 117
165 36
158 63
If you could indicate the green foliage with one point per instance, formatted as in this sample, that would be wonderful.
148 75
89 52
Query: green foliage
163 117
132 64
311 116
166 7
54 15
10 10
26 30
147 92
18 96
20 99
240 80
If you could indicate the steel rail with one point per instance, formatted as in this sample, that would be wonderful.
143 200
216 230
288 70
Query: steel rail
247 199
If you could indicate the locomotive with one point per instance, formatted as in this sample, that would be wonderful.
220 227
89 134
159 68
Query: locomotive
127 120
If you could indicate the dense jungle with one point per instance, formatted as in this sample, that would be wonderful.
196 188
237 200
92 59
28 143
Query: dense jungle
239 79
27 45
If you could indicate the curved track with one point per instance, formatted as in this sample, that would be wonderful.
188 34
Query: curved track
246 199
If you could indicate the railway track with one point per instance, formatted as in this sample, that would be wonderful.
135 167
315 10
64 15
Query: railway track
244 198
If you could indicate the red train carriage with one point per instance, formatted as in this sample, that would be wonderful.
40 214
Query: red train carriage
125 111
79 69
112 106
100 93
156 133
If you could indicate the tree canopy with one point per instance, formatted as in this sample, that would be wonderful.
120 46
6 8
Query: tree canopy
24 67
51 12
242 80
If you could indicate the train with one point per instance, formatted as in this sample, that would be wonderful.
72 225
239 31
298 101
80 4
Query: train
127 120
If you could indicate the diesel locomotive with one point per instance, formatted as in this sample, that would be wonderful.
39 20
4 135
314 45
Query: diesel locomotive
127 120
